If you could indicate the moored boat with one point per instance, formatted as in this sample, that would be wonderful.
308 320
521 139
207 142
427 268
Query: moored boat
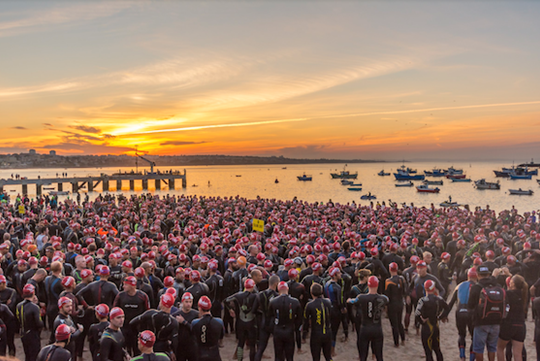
345 182
521 192
433 183
520 176
482 184
460 179
403 174
425 189
382 173
304 177
368 196
408 184
345 174
355 189
455 176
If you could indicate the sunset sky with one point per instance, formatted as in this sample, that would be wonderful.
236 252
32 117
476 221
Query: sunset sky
372 80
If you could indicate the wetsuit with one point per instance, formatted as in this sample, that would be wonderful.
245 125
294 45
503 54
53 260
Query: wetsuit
409 275
317 314
371 307
430 308
198 290
208 331
186 349
56 353
265 321
395 289
30 320
133 306
464 317
112 345
308 281
332 290
245 306
163 325
53 288
9 298
94 338
445 276
99 292
287 323
7 318
68 321
215 293
158 356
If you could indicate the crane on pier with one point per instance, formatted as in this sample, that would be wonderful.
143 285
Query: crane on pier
152 164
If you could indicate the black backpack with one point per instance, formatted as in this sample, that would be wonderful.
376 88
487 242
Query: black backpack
492 304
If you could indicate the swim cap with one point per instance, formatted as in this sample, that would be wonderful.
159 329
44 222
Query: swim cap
373 282
429 286
102 310
283 286
147 338
204 303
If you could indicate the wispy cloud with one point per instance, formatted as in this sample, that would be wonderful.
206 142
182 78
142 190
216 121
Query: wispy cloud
19 128
86 129
180 142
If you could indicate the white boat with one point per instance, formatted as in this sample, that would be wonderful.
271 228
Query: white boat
434 183
521 192
345 182
409 184
482 184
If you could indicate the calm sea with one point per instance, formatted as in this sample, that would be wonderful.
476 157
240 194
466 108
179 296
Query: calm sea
259 180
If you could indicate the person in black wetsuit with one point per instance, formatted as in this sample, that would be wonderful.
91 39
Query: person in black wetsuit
65 306
96 330
164 326
265 320
243 306
134 303
215 288
145 345
53 288
208 331
314 277
395 289
287 315
317 314
57 351
444 273
186 348
29 318
8 296
7 318
112 341
332 290
197 288
431 308
101 291
371 306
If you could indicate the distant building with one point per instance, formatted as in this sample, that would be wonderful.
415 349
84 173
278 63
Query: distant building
52 152
32 151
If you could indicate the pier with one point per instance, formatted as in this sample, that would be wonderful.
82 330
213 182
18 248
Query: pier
91 182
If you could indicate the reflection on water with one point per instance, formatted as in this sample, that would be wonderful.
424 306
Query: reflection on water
260 180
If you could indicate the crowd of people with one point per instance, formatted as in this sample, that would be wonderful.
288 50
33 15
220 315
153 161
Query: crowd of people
165 278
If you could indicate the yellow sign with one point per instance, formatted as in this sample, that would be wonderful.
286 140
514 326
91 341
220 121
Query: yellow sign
258 225
21 209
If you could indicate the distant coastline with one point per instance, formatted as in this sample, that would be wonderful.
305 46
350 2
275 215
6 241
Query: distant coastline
34 160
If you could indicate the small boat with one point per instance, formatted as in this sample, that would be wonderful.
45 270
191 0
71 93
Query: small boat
453 170
345 182
356 185
355 189
382 173
521 192
449 203
455 176
194 185
59 193
460 179
409 184
433 183
304 177
435 173
276 181
482 184
425 189
403 174
284 168
520 176
345 174
238 175
368 196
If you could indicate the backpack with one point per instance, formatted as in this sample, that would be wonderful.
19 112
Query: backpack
492 304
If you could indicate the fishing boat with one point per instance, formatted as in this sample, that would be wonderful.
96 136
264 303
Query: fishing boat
344 174
355 189
433 183
425 189
453 179
505 172
368 196
403 174
411 171
455 176
356 185
345 182
453 170
408 184
238 175
448 203
521 192
382 173
59 193
435 173
520 176
304 177
482 184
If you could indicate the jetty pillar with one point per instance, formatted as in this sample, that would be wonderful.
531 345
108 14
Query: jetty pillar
118 184
39 189
132 184
184 180
158 184
74 187
171 183
105 185
60 187
145 184
25 189
90 185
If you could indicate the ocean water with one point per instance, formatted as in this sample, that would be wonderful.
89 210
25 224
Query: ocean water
259 180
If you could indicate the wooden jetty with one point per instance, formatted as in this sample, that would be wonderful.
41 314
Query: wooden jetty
92 182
